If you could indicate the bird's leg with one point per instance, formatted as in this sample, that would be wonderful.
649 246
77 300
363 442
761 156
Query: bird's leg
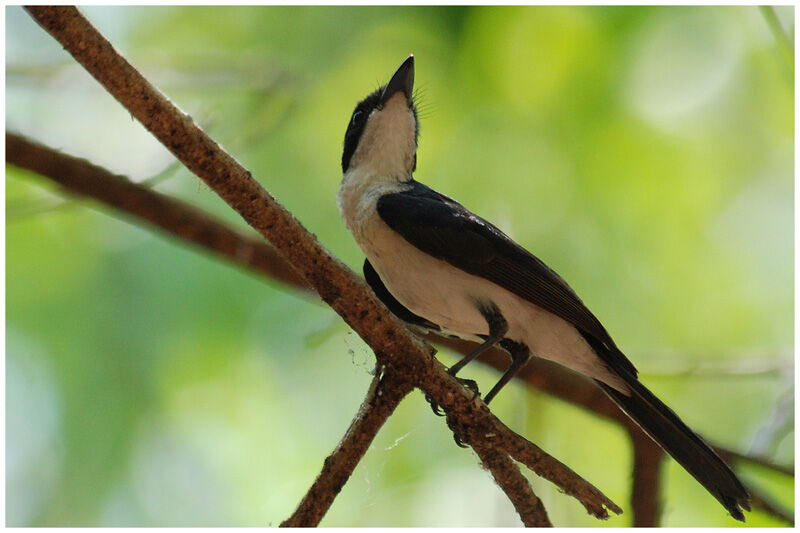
498 327
520 355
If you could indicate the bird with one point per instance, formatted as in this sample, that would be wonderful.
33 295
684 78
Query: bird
438 266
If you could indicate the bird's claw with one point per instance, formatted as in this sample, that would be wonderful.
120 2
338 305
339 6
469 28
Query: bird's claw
434 406
471 384
459 442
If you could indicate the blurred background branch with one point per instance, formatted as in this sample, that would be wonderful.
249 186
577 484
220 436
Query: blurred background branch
646 494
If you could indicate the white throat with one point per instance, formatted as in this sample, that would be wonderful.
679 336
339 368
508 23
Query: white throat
388 142
382 163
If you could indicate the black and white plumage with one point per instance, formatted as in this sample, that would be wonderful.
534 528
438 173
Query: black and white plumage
439 266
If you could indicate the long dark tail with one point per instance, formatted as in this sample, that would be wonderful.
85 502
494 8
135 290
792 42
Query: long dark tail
683 444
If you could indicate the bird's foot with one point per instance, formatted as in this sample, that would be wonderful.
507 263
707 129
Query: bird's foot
460 433
471 384
460 443
434 406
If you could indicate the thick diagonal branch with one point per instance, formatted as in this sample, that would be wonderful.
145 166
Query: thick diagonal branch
333 281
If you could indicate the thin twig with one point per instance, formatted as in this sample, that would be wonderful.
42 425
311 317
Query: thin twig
383 397
20 212
518 489
524 451
780 424
765 462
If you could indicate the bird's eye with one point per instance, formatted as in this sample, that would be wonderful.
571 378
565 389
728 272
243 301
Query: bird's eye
356 116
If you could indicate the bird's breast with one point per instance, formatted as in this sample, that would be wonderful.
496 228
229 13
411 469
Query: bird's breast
429 287
358 198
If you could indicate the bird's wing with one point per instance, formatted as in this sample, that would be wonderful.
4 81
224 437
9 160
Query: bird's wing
443 228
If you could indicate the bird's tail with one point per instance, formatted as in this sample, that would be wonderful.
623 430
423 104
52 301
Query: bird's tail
683 444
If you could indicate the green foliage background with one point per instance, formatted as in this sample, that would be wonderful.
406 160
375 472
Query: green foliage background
644 153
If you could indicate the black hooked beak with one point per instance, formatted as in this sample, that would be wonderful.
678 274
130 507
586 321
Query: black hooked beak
403 80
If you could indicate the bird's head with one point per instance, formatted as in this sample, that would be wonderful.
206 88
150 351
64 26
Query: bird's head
381 137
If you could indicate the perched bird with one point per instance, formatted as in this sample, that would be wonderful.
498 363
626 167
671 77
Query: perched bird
437 265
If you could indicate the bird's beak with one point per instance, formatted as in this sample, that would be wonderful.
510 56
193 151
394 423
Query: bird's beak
403 80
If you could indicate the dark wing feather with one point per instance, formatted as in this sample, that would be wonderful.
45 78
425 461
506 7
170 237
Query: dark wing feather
443 228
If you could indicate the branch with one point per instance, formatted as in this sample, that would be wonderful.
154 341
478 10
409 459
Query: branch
762 501
394 347
780 424
527 453
383 397
646 494
333 281
507 475
79 176
765 462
